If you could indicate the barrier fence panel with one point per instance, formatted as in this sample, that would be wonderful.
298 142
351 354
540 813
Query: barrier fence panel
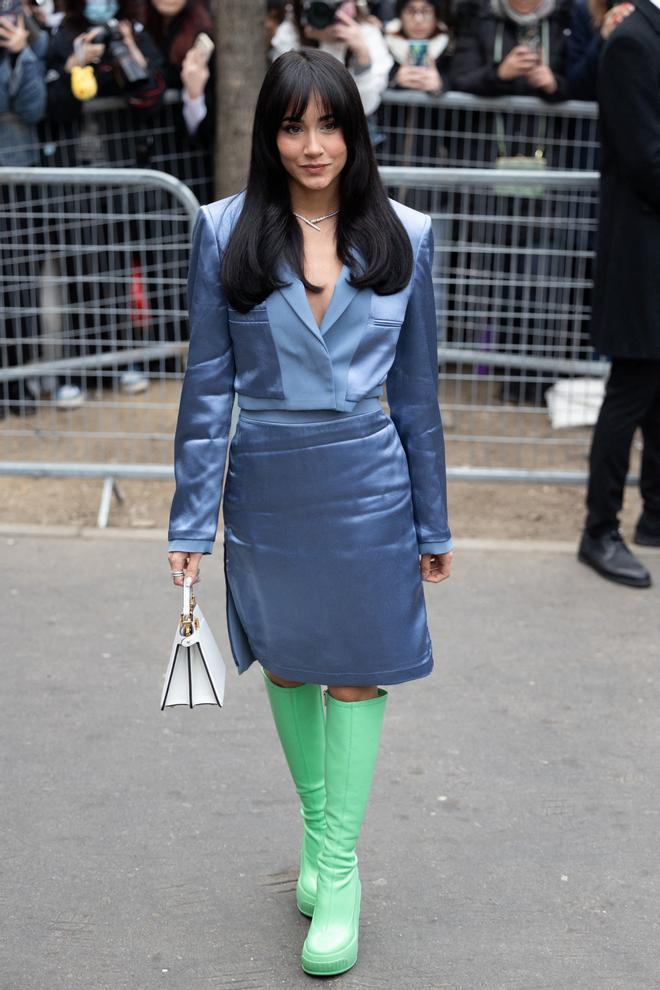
513 276
108 133
457 129
409 129
93 267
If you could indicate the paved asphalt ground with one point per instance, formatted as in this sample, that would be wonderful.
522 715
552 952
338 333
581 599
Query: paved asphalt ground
512 841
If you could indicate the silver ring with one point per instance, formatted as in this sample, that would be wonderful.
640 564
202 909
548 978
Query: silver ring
177 573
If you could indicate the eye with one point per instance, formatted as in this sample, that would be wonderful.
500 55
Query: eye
330 125
291 128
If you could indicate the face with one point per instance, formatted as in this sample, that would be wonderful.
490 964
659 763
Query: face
168 8
524 6
312 149
418 20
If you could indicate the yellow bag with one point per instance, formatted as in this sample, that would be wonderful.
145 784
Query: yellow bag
83 82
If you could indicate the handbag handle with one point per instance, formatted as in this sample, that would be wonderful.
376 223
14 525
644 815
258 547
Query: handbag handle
187 586
186 623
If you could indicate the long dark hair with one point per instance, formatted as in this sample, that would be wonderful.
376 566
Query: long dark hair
266 230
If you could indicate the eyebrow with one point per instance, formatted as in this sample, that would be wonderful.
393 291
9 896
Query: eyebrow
326 116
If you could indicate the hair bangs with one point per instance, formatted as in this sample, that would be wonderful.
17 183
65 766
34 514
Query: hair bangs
304 81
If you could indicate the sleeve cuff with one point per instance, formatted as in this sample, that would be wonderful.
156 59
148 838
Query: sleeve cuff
191 546
441 546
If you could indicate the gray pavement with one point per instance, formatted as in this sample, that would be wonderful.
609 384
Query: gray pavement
512 838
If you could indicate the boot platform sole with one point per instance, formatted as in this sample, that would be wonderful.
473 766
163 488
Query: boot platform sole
629 582
329 966
305 905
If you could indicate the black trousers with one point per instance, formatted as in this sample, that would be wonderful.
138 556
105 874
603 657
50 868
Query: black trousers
632 399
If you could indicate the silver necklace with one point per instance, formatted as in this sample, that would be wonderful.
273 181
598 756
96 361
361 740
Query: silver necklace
313 222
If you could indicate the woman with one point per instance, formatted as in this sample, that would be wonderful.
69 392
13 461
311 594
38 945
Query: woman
176 26
419 42
351 36
512 48
328 503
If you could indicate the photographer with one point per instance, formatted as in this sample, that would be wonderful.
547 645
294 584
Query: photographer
346 30
99 51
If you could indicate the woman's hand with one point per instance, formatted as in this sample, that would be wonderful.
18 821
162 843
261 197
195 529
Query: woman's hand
430 80
129 40
436 567
542 77
348 30
613 18
13 37
344 28
85 52
194 73
519 62
180 560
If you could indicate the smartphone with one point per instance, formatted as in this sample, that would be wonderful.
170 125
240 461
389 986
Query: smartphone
418 52
10 9
205 45
529 37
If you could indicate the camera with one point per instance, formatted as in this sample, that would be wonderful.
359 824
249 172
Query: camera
320 13
110 35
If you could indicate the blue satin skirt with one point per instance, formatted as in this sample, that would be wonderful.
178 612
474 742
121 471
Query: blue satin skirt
321 558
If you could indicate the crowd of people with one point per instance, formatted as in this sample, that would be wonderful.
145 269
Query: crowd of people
58 55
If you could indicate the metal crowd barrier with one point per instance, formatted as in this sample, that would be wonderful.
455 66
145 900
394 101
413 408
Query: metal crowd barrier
457 129
93 267
410 130
111 134
513 279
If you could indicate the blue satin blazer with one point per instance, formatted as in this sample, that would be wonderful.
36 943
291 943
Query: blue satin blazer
276 356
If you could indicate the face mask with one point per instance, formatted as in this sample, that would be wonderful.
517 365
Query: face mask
101 11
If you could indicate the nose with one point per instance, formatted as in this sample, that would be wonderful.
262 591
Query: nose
313 145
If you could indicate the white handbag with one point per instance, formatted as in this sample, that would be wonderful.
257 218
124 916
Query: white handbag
196 671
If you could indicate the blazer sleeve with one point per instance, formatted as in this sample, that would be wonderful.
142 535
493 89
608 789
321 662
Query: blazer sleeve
207 396
412 395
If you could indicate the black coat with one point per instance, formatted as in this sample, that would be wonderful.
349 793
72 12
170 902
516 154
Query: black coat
474 69
626 316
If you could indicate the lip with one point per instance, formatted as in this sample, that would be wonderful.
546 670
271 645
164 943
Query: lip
315 168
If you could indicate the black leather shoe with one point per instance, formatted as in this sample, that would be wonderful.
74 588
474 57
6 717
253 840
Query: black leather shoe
645 536
610 557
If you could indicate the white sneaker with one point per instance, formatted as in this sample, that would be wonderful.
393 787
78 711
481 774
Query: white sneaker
133 381
68 397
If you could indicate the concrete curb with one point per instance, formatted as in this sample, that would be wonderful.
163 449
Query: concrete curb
160 536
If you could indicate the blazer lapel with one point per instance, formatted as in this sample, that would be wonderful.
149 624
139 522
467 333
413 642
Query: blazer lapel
295 295
340 299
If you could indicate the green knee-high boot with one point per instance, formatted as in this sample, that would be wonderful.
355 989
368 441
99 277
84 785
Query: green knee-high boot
352 740
300 723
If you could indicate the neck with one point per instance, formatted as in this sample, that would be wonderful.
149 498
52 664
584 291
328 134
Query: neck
311 202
